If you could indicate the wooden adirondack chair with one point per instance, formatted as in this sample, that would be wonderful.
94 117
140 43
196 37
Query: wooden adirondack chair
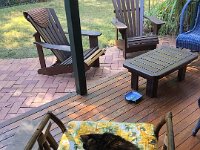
129 22
48 28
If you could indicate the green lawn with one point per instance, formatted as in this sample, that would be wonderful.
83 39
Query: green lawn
16 33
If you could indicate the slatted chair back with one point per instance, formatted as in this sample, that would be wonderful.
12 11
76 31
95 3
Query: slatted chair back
46 23
130 12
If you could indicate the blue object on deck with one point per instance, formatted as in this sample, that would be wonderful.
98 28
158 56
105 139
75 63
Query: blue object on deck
191 38
133 96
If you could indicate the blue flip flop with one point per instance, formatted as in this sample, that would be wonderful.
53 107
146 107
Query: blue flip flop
133 96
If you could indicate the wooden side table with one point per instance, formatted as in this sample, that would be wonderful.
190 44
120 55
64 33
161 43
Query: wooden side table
156 64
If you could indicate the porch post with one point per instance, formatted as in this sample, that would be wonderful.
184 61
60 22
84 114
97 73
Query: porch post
74 29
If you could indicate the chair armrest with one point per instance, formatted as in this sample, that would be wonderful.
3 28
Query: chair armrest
170 134
154 20
93 37
43 123
53 46
88 33
119 25
183 15
156 23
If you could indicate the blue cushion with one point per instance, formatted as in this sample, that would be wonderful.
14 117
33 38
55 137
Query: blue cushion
189 40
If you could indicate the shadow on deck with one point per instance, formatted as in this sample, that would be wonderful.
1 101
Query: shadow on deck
105 101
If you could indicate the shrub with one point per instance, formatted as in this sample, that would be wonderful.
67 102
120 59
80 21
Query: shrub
169 11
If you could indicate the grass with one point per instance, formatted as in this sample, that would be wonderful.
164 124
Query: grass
16 33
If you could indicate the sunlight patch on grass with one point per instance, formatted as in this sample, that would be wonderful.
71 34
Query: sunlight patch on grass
11 35
16 34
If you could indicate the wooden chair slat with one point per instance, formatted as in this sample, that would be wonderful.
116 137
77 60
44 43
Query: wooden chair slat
41 32
125 10
52 35
141 38
141 16
53 31
120 11
93 57
56 29
48 137
137 17
43 142
86 54
59 27
116 9
48 39
133 17
59 54
131 29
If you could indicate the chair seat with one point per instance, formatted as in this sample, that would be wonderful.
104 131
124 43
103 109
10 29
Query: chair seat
142 40
86 54
189 40
140 134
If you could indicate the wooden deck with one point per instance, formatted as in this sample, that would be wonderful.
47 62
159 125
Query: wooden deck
105 101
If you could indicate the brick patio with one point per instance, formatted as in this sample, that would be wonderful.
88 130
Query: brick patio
21 88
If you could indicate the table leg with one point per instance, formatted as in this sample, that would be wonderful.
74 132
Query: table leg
134 81
181 73
152 86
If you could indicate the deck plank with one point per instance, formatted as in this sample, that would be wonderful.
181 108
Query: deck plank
105 101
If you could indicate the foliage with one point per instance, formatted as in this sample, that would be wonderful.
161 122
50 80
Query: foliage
169 11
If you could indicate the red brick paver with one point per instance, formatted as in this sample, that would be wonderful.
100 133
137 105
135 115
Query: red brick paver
22 88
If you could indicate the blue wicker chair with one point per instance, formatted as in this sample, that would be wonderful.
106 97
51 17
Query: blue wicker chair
191 38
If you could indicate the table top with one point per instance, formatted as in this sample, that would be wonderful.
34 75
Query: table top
160 61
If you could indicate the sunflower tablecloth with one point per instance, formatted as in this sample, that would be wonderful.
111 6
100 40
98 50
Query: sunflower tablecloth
141 134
